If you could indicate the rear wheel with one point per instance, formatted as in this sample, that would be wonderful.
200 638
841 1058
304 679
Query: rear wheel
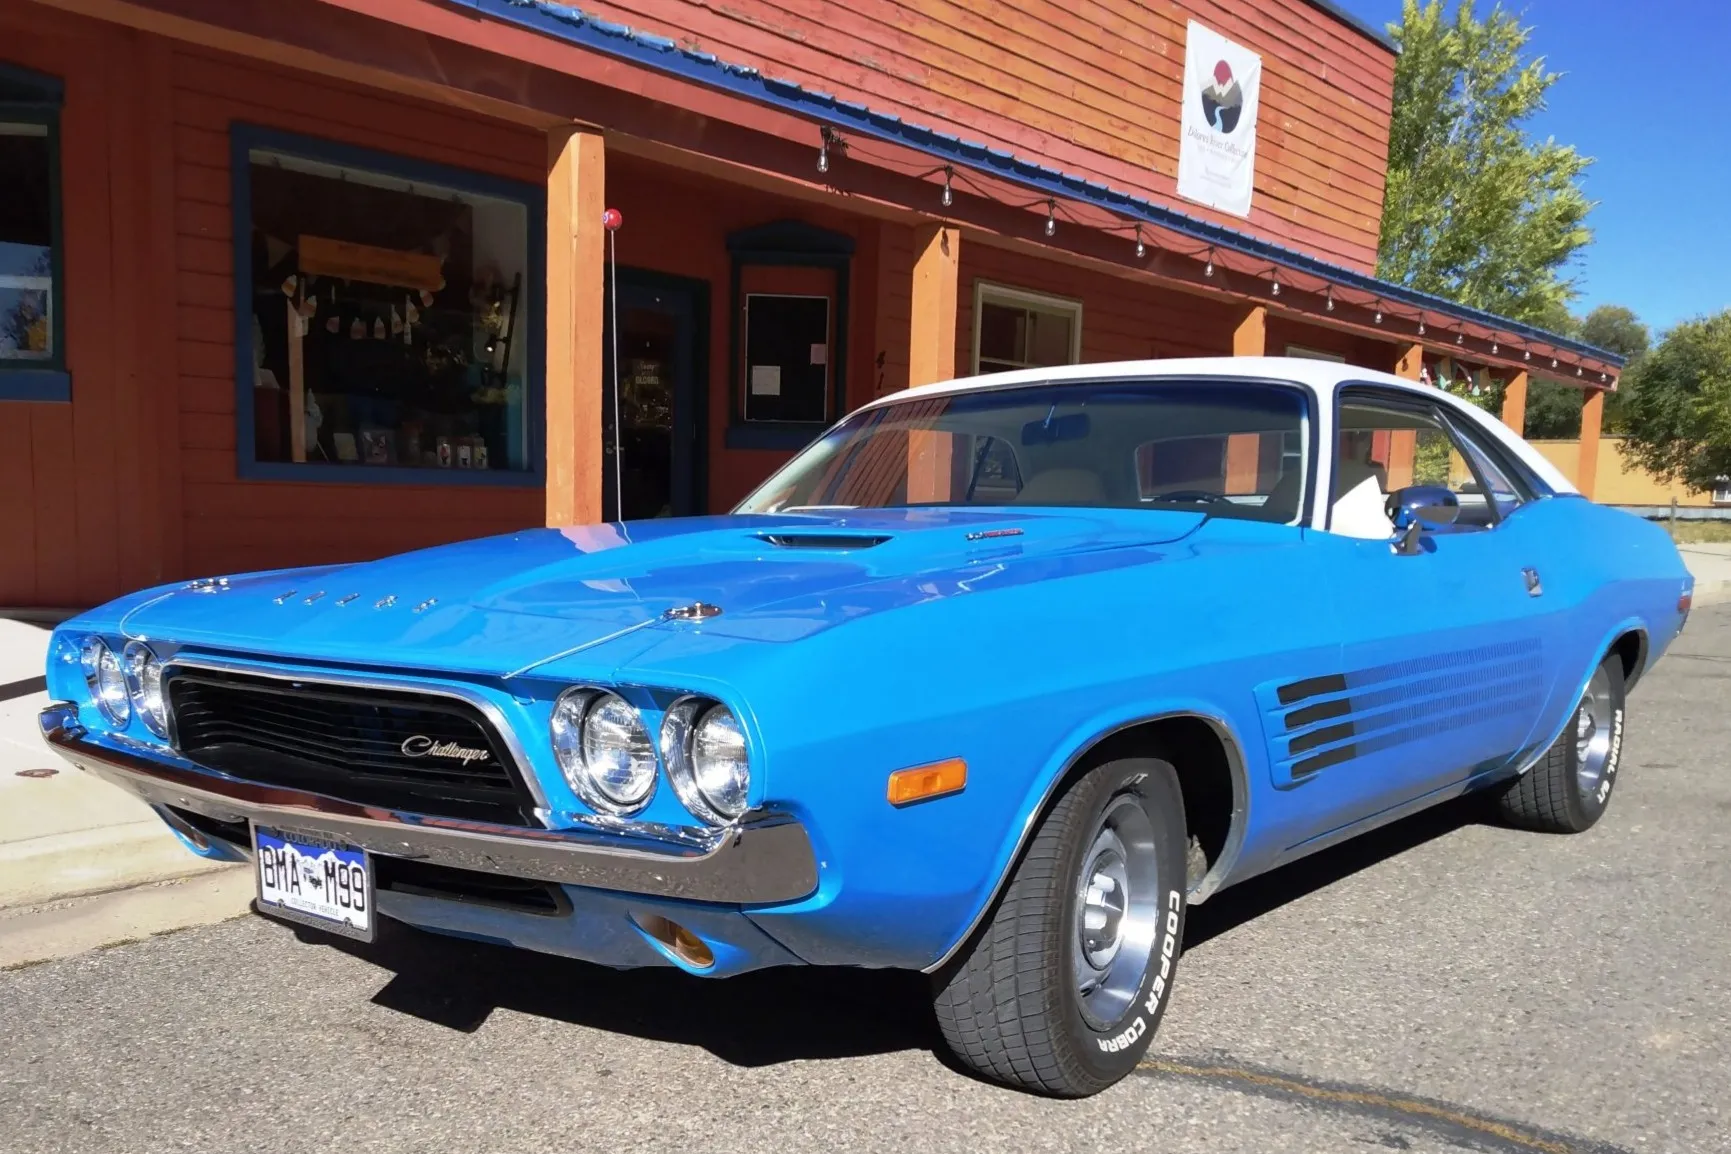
1570 787
1061 990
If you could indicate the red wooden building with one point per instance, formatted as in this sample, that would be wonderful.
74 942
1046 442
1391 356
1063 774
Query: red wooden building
297 281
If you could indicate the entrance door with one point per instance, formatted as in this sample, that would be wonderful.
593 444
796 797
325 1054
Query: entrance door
661 379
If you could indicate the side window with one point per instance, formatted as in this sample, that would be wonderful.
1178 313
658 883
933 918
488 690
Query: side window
1505 493
1387 445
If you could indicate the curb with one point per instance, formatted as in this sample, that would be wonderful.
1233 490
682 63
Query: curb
91 861
64 928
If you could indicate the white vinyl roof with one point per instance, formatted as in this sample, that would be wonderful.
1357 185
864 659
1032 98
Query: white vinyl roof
1324 377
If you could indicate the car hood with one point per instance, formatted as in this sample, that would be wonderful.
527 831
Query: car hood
505 604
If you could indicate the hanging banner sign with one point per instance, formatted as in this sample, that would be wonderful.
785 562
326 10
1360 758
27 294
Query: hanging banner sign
1217 131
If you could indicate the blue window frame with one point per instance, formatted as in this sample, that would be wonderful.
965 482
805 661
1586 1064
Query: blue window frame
400 301
32 315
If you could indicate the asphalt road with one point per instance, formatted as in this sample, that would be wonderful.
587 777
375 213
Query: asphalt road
1444 985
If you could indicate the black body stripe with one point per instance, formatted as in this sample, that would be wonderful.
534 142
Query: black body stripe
1312 687
1323 760
1306 741
1322 711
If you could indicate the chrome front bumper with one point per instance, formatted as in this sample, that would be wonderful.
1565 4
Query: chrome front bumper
758 862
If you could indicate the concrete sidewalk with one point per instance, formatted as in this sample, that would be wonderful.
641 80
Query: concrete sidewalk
67 833
1711 566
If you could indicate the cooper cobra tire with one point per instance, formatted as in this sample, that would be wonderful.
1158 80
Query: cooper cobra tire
1570 787
1061 990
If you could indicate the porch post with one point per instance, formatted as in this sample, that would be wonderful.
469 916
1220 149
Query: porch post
1403 443
1592 418
576 247
1250 335
1515 402
1249 339
932 350
932 324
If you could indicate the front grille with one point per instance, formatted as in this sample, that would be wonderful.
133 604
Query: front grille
351 743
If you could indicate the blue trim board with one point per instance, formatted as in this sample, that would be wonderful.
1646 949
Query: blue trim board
243 138
51 385
585 30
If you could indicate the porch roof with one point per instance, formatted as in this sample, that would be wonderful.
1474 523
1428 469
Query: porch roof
650 50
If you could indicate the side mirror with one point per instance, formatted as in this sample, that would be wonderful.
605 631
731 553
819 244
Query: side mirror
1417 508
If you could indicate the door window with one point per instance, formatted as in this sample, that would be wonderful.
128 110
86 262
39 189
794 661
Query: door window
1385 445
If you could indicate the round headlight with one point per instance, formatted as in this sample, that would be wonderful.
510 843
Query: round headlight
106 682
704 748
144 686
603 750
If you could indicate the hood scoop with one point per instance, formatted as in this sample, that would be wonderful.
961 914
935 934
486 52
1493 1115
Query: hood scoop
840 542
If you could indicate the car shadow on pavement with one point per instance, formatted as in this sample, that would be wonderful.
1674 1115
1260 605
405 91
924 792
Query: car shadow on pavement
756 1019
1249 900
786 1013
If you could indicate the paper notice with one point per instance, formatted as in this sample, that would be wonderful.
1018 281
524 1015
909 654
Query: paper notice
820 354
766 380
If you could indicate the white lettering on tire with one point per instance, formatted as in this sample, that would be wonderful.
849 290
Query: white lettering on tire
1150 1007
1611 757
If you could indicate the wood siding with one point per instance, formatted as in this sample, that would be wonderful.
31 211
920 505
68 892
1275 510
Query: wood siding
1092 89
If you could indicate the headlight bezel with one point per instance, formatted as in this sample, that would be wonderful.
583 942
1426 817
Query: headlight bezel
138 691
679 728
569 732
98 661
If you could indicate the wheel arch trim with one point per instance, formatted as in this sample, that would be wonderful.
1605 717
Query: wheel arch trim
1229 851
1601 651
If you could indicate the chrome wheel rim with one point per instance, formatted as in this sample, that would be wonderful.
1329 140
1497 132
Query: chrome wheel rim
1117 911
1593 719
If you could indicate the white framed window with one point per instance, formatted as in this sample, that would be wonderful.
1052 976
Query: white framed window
1309 354
1018 329
1722 490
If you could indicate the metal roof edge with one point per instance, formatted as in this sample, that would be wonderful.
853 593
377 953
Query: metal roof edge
1357 23
659 52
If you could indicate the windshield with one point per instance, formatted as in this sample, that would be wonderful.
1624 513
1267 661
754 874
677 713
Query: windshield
1228 448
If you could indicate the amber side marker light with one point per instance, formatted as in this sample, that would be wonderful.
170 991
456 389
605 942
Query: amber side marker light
681 942
927 781
1684 602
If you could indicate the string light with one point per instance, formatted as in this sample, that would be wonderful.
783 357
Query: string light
1377 319
947 198
1553 362
1527 354
1208 269
1141 249
1274 289
1577 370
1421 328
1493 348
826 134
1328 299
1460 337
1603 378
1051 217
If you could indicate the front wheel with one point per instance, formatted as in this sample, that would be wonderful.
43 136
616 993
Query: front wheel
1570 787
1061 990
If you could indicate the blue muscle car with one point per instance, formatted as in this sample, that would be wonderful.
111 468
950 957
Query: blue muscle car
991 682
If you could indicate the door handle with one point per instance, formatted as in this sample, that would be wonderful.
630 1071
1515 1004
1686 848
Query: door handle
1534 588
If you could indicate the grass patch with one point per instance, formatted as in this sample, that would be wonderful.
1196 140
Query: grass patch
1701 532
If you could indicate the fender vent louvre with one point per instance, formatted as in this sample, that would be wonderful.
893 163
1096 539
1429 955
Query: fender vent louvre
824 540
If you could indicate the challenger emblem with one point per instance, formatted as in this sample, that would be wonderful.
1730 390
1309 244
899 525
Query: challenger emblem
420 745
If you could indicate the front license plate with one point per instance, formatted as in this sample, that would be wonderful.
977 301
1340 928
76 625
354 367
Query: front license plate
314 881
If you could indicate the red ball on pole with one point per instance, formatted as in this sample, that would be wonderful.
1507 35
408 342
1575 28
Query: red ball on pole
611 219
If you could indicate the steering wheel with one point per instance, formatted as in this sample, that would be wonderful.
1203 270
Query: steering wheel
1196 496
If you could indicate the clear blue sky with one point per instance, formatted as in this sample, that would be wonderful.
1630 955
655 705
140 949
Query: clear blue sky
1644 91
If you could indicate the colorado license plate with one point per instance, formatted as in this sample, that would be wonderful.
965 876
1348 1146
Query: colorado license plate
314 881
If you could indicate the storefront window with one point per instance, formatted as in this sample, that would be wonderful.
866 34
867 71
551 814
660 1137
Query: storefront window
389 318
1014 329
30 336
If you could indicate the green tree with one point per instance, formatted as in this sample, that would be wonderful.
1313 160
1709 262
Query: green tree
1476 210
1678 410
1618 330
